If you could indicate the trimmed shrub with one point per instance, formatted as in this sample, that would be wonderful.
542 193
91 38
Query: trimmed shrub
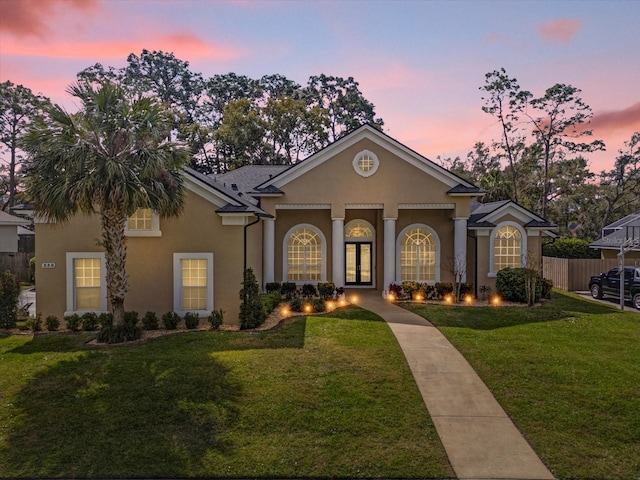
34 324
511 284
73 322
270 302
429 291
150 321
89 321
52 323
395 289
127 332
339 291
170 320
9 294
308 290
273 287
296 304
443 288
216 319
546 287
409 289
105 319
569 248
326 290
288 289
251 313
318 305
191 320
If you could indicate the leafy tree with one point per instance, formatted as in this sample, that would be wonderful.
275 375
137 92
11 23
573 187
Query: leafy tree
346 106
620 187
569 248
504 103
240 136
18 105
109 159
558 118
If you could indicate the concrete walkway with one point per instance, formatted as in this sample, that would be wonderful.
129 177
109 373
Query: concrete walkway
480 439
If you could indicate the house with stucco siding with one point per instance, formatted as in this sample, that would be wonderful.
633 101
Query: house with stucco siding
364 212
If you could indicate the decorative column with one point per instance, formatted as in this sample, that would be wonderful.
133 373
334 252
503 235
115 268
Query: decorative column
389 252
460 246
337 247
268 250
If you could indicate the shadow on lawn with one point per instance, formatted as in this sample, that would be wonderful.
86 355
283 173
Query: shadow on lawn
145 410
141 412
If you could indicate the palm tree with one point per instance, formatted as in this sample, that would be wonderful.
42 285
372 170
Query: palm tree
111 158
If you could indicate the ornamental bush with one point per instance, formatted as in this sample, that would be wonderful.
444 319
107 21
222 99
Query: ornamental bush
251 312
511 284
309 290
126 332
270 302
273 287
52 323
73 322
326 290
170 320
216 319
89 321
9 294
150 321
288 289
191 320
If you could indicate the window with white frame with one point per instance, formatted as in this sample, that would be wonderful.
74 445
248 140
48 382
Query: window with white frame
419 250
304 254
366 163
507 247
86 282
193 282
143 223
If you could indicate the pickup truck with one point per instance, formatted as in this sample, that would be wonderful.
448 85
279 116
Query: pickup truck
609 284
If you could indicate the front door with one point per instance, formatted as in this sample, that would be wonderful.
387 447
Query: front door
358 263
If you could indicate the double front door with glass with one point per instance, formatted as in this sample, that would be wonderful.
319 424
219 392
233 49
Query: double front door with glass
358 263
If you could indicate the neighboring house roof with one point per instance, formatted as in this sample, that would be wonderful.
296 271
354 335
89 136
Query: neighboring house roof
615 234
458 184
485 215
25 231
8 219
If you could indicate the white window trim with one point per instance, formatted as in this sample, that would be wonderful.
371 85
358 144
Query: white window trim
492 241
356 166
399 245
154 232
71 256
285 254
177 282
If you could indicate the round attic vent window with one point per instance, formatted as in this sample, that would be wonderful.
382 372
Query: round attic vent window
366 163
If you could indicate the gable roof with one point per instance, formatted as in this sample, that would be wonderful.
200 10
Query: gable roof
485 215
618 232
8 219
457 184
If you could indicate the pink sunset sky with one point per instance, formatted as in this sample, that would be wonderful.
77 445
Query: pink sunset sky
420 63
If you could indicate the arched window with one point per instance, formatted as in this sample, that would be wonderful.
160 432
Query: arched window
304 254
507 247
419 251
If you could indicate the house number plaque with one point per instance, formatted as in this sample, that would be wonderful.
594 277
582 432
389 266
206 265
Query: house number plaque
48 265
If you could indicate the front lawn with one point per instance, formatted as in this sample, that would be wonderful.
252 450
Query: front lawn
567 373
319 397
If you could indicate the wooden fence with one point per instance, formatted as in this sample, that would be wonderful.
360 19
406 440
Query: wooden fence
18 263
574 274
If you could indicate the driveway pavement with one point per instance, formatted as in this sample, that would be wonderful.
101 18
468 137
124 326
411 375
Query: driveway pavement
26 297
611 301
480 439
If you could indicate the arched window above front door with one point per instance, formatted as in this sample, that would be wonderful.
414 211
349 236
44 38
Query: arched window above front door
304 254
419 254
357 230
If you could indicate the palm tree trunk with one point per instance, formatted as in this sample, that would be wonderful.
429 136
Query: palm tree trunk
114 242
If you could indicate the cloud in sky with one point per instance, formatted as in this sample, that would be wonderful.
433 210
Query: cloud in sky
29 18
627 119
560 30
184 45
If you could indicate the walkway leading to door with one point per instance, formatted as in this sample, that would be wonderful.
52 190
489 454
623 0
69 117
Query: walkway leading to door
480 439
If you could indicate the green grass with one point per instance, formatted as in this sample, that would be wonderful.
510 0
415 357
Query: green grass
568 373
319 397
